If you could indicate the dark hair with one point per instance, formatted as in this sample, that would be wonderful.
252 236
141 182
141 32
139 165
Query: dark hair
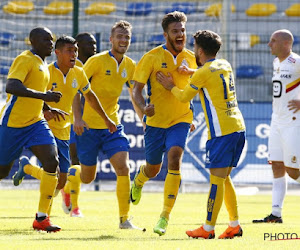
121 24
81 36
172 17
62 40
209 41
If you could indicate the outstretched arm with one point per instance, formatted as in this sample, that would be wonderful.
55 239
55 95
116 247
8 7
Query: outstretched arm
167 82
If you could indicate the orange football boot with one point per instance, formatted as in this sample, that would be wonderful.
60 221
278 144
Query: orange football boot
232 232
201 233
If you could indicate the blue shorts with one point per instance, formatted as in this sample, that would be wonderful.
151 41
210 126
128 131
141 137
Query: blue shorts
63 155
160 140
72 135
13 140
224 151
94 140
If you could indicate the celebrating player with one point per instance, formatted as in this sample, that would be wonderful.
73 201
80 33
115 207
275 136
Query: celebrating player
68 80
21 119
86 43
168 120
226 129
108 72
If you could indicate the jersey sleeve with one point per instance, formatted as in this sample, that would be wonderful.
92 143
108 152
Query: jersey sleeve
85 85
91 66
19 69
143 69
130 82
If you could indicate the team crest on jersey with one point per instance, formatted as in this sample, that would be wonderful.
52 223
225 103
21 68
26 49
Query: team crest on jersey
74 84
164 65
294 159
291 60
108 73
124 73
184 63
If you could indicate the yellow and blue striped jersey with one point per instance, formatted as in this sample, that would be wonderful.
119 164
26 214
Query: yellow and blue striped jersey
68 85
215 84
33 72
107 78
168 110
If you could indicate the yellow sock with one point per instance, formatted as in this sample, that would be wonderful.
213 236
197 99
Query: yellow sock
67 187
172 184
34 171
123 190
215 199
141 178
75 183
47 188
50 207
230 200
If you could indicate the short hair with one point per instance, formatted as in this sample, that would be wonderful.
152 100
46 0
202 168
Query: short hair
37 32
209 41
80 37
121 24
172 17
62 40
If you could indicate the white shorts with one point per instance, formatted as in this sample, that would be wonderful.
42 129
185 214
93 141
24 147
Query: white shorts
284 145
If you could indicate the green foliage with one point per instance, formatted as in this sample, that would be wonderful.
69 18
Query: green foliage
99 228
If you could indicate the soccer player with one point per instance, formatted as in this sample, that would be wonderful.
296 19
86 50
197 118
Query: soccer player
86 43
167 119
108 72
21 119
214 82
284 153
67 79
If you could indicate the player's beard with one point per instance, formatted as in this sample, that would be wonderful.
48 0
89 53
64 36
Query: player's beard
198 61
173 45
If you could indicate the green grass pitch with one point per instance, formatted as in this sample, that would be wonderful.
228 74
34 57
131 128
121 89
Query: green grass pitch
99 228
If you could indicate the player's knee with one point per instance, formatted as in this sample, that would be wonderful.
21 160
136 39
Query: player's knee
51 165
87 179
61 181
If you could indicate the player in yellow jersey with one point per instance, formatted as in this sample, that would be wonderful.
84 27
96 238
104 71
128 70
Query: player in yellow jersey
86 43
108 71
68 79
214 82
167 119
21 119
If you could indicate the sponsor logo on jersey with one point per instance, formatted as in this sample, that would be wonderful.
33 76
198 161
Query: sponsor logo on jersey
291 60
286 76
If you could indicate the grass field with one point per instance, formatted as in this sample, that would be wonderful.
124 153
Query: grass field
99 228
